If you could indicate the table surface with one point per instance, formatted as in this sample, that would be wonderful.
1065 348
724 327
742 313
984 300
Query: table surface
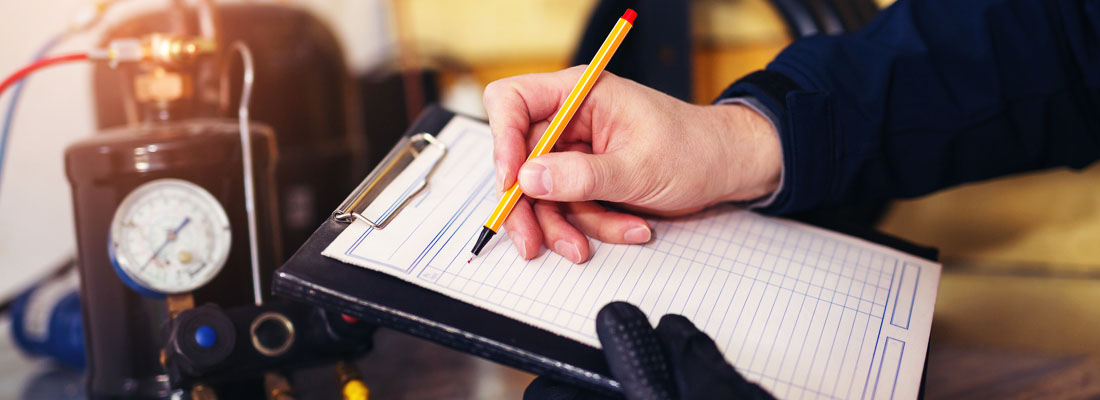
403 367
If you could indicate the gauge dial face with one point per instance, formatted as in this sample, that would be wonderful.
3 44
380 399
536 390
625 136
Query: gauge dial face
170 236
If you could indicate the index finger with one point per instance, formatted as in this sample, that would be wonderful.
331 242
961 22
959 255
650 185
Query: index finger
513 104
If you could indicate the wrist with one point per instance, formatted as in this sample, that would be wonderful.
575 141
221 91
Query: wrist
751 146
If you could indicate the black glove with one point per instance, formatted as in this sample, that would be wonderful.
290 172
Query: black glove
674 361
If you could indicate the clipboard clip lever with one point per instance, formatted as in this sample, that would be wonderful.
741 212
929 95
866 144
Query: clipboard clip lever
399 177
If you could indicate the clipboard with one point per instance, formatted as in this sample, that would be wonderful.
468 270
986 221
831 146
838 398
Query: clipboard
383 300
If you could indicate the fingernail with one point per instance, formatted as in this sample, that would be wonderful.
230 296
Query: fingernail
500 176
521 245
536 179
640 234
568 250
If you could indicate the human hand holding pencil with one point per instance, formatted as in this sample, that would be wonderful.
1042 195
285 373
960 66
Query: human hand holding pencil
626 144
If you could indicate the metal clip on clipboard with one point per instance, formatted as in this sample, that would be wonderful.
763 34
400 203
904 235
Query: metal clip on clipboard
400 176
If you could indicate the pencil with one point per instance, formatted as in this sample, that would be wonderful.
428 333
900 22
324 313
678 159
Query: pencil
557 125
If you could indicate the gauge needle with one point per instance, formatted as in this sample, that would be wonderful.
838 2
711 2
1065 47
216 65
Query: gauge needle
171 237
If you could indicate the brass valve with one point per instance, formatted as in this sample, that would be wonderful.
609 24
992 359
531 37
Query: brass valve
175 50
156 48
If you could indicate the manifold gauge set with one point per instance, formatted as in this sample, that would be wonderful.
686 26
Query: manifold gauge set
178 199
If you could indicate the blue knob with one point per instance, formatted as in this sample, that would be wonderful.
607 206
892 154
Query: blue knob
206 336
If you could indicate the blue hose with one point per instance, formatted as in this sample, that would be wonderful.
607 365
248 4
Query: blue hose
16 92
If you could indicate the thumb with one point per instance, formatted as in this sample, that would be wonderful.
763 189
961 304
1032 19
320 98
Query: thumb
575 176
633 352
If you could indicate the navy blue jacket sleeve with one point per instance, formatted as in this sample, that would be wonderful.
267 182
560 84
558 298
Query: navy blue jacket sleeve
934 93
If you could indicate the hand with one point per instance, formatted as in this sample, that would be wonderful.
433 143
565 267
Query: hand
627 144
674 361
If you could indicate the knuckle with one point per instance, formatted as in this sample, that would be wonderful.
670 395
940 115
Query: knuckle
588 177
542 207
521 225
498 92
514 226
595 178
499 153
494 88
609 233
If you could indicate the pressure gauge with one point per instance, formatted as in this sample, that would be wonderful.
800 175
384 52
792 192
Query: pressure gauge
169 236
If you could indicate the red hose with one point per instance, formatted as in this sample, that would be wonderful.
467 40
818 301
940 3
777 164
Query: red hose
45 62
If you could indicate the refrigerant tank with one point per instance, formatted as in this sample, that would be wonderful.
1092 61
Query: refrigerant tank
123 327
303 91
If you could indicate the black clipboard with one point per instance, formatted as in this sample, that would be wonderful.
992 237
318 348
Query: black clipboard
380 299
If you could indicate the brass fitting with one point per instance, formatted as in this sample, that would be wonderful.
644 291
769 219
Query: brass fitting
277 387
156 48
352 386
175 50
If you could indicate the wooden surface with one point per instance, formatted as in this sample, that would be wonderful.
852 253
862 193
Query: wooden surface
956 372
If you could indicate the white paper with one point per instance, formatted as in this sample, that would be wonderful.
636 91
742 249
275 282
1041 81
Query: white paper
805 312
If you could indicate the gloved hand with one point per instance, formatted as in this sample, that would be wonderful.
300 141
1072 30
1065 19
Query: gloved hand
674 361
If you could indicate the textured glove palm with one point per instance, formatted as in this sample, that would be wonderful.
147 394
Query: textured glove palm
674 361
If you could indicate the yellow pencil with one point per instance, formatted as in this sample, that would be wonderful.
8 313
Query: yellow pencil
557 125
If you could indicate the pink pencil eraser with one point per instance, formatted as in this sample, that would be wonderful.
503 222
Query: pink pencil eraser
629 15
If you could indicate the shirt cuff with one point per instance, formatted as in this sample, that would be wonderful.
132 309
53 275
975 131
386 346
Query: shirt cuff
754 104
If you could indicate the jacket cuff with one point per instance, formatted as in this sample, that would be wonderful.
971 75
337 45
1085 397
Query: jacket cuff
804 123
754 104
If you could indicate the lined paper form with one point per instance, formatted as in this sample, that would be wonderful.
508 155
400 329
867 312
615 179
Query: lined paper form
805 312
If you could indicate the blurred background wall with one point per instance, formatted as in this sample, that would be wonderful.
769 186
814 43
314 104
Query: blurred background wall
35 208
